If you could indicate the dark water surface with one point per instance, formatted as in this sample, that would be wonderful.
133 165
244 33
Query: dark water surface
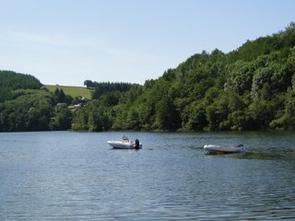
77 176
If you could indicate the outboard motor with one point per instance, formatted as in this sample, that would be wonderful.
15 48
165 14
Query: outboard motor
136 144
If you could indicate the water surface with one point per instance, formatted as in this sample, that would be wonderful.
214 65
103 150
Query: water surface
77 176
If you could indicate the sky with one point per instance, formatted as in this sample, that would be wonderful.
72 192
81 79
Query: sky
69 41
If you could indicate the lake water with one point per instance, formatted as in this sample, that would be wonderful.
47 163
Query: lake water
77 176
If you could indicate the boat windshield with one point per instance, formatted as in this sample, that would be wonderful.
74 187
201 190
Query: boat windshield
124 138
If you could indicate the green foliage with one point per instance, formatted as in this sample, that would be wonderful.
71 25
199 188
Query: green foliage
287 120
167 117
10 81
73 91
5 94
250 88
30 111
13 80
194 116
246 89
61 97
25 107
61 119
93 117
104 87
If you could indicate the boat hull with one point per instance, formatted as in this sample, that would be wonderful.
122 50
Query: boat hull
215 149
123 145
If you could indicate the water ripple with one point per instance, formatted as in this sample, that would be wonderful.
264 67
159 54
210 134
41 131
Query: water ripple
76 176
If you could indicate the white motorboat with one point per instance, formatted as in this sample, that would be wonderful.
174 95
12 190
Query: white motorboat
125 143
216 149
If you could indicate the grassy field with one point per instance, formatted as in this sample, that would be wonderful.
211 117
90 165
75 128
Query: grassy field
71 90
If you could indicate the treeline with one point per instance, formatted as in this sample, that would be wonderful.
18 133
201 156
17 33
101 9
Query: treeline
10 81
34 110
104 113
250 88
15 80
101 88
26 107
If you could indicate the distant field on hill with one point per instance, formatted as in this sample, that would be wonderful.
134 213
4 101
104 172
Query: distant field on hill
73 91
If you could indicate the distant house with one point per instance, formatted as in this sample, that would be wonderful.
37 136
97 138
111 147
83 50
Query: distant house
75 107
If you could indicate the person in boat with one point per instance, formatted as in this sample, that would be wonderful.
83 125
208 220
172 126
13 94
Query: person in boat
125 139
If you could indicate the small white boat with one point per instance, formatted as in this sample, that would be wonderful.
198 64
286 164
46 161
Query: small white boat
125 143
216 149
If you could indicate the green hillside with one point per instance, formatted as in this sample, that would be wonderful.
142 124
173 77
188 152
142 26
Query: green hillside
24 106
71 90
10 81
250 88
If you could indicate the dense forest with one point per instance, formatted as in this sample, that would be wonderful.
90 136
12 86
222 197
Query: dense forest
250 88
105 87
24 106
10 81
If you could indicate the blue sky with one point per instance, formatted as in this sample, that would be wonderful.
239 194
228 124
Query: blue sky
69 41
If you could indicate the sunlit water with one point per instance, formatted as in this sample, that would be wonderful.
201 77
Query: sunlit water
77 176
